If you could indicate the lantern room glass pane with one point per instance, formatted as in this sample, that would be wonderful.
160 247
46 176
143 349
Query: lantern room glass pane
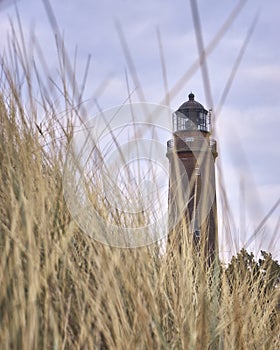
195 120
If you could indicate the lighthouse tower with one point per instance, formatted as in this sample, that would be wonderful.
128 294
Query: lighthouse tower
192 193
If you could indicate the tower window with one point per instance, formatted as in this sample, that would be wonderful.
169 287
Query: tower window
197 233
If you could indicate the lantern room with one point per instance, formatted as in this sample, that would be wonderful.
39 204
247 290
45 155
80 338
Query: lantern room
191 116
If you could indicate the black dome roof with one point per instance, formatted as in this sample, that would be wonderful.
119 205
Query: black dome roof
191 104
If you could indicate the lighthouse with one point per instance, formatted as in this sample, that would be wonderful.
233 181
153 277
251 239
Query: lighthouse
192 191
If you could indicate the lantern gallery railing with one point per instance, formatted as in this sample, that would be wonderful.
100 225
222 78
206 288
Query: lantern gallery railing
191 144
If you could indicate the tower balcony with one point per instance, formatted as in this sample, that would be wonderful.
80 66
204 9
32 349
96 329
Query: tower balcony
192 144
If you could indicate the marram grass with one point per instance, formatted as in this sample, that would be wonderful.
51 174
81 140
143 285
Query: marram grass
60 289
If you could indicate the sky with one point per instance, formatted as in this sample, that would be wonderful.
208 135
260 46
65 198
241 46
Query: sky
127 42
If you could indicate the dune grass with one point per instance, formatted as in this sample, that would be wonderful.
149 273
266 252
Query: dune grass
60 289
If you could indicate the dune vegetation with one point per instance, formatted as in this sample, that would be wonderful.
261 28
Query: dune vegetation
60 289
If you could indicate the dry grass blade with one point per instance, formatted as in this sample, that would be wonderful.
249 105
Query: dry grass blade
202 54
163 68
66 69
236 66
129 60
262 223
208 49
275 235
